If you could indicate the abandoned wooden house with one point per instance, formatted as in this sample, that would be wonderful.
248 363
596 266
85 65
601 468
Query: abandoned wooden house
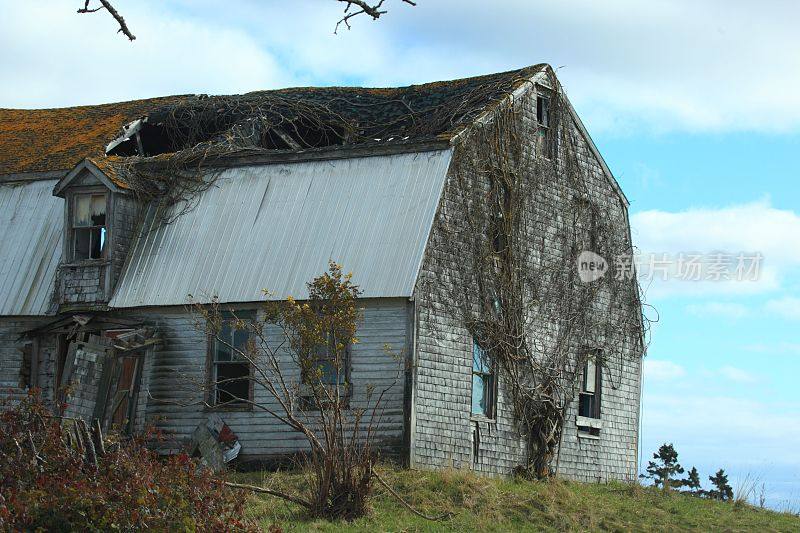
460 207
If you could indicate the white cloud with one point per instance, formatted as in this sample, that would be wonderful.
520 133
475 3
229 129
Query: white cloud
56 57
736 374
788 307
779 348
714 65
755 227
661 370
723 429
718 309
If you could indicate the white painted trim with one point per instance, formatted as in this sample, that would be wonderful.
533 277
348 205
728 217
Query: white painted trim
595 423
86 164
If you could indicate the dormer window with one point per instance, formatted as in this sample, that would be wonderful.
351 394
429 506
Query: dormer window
89 226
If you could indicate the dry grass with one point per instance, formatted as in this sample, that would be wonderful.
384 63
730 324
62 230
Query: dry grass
506 505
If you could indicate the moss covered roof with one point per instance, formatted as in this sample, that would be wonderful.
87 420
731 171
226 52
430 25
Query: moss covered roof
39 140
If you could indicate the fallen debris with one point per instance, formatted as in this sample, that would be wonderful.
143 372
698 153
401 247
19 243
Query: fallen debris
215 443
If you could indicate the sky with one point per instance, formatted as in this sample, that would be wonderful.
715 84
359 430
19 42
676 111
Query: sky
694 105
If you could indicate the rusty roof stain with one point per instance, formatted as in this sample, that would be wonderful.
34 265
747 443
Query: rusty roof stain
41 140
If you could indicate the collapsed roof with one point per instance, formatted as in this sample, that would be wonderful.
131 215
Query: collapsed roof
284 119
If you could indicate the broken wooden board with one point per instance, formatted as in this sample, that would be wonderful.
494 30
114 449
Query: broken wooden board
215 443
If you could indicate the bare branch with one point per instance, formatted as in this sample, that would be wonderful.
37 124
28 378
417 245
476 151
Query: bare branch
271 492
105 4
441 517
361 7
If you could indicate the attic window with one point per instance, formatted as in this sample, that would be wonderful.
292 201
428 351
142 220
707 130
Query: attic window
543 111
543 140
88 226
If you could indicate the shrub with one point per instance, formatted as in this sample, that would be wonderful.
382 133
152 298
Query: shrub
50 480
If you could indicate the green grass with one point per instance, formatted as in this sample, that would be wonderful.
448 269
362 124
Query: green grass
506 505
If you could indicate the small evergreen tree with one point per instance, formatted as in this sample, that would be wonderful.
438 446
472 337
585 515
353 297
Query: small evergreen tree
692 482
664 468
722 490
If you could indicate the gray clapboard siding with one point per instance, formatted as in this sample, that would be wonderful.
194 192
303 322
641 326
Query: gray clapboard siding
11 329
177 367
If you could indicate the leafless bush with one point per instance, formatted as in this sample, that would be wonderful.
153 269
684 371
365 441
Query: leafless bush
298 353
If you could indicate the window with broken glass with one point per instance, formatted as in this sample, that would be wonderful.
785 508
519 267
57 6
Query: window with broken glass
88 226
483 382
591 384
230 369
543 121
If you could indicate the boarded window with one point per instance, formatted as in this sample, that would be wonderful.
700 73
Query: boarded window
591 384
230 369
483 382
89 226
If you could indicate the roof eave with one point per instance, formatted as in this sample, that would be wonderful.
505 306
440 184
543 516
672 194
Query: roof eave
86 164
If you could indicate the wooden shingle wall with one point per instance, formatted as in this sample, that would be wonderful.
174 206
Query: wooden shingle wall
443 433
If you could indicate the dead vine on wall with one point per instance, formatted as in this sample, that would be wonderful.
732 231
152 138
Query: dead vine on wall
519 222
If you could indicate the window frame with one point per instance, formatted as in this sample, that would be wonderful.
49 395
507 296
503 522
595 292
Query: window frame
490 412
212 363
72 228
596 359
345 383
543 126
329 355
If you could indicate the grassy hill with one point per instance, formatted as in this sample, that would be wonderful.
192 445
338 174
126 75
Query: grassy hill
507 505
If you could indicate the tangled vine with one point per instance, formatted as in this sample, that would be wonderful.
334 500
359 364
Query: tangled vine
180 144
518 221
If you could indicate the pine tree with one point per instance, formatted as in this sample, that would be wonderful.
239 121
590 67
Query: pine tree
722 491
665 467
692 482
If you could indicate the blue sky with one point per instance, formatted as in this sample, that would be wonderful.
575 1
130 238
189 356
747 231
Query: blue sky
694 105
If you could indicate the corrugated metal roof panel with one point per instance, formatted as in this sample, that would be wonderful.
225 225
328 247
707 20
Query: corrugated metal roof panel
275 227
31 229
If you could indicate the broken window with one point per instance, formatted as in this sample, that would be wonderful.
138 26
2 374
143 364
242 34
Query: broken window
483 382
230 369
89 226
543 140
591 384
